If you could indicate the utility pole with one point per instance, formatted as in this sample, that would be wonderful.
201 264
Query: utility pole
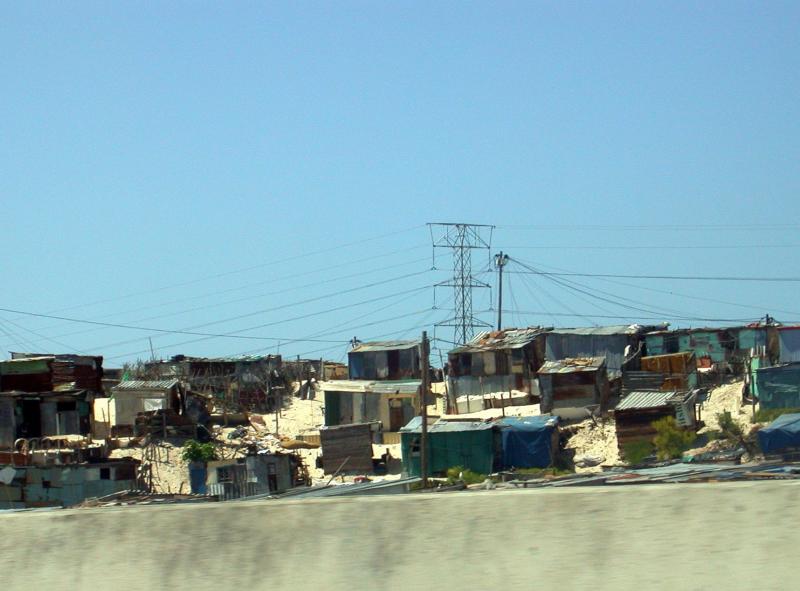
500 261
424 354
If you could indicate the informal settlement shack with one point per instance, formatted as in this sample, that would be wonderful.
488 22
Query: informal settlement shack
634 415
244 382
578 382
383 386
47 457
496 361
621 346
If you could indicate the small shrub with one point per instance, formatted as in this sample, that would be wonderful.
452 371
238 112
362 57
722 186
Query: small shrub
729 428
670 440
636 452
194 451
459 474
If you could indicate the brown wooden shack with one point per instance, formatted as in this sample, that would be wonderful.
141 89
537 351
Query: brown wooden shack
635 414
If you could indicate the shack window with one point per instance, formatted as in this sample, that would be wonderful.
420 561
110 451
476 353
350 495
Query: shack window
414 446
105 473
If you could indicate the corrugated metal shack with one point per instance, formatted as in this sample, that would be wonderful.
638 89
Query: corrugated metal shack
710 345
29 372
789 343
676 371
64 485
620 345
778 386
385 360
348 448
472 445
40 414
117 415
247 382
634 415
496 361
254 474
573 383
392 403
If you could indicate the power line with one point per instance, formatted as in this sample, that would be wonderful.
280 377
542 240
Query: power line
657 318
583 289
652 227
275 261
665 277
301 317
280 291
272 280
692 297
652 247
143 328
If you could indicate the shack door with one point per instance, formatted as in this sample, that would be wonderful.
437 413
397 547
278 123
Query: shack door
397 418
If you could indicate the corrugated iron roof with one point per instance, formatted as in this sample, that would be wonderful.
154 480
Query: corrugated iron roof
415 426
145 385
375 386
375 346
609 330
573 365
648 399
512 338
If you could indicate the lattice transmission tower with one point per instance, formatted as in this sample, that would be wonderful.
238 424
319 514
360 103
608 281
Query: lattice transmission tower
462 239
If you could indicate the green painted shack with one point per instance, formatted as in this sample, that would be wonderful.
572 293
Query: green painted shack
710 345
778 386
472 445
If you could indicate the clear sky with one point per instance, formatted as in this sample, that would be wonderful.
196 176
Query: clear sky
268 168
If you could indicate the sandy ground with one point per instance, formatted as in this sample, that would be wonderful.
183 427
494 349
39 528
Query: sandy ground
170 472
727 397
595 439
298 417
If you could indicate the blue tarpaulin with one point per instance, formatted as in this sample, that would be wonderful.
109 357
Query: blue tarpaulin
527 441
783 433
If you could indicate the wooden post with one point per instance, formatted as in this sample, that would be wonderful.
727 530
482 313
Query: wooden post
424 388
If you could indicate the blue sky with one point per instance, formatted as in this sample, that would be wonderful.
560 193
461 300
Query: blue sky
269 168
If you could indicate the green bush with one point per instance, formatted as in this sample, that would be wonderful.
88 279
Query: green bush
767 415
670 440
729 429
194 451
635 452
459 474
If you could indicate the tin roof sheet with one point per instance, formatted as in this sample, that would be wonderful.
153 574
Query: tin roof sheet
512 338
415 426
384 346
145 385
609 330
375 386
573 365
648 399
